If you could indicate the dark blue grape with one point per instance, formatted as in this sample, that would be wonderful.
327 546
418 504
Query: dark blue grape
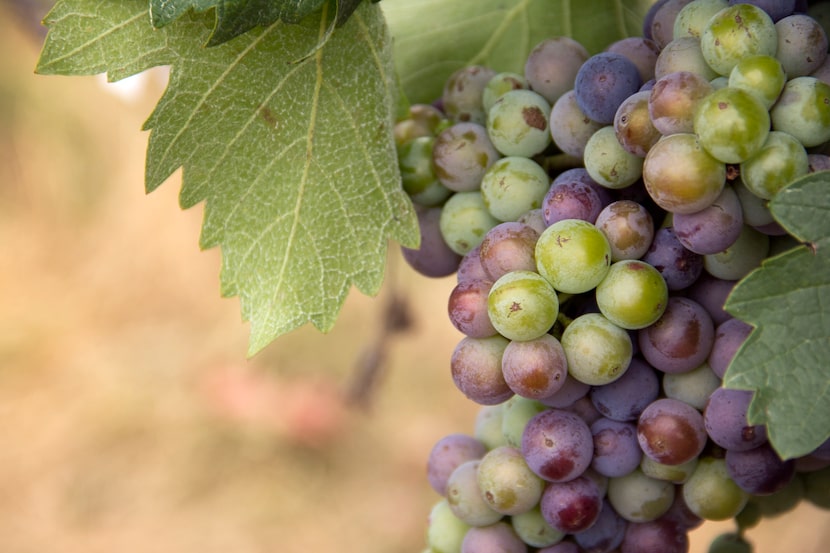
603 82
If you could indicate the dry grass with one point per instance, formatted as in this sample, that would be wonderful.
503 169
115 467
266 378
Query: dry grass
130 419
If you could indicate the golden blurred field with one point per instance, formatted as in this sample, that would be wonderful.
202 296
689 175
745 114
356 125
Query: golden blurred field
131 420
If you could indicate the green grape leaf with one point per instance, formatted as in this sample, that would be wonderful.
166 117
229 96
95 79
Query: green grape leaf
295 161
786 359
433 38
236 17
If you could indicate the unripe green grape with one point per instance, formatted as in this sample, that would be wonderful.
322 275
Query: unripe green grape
512 186
731 124
534 530
640 498
676 474
465 220
781 160
422 120
737 32
573 255
736 261
418 174
693 387
445 531
507 483
500 84
518 123
755 210
681 176
522 305
598 351
711 494
763 76
692 18
632 295
488 425
515 413
803 110
608 163
464 496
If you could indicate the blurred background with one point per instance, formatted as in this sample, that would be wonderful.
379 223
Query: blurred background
130 419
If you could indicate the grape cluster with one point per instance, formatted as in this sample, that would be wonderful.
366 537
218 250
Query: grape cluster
597 210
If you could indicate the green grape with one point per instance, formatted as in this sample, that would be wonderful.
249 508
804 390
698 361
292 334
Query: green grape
692 18
676 474
737 32
731 124
422 120
755 210
763 76
512 186
534 530
445 531
681 176
632 295
465 498
465 220
418 173
683 54
730 543
608 163
488 424
803 110
711 494
640 498
518 123
781 160
693 387
507 483
737 260
500 84
522 305
516 412
573 255
597 350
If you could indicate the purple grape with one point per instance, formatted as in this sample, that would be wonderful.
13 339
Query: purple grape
625 398
671 432
711 292
729 336
759 471
661 28
552 65
658 536
605 534
470 267
584 408
603 82
508 247
561 547
571 200
476 369
461 155
641 51
495 537
712 229
571 390
629 228
725 420
433 258
679 266
536 368
467 308
681 339
557 445
449 453
616 448
571 506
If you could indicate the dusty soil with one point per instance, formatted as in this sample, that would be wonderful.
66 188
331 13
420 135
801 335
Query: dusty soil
130 417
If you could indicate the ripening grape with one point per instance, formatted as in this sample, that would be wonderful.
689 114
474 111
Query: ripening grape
552 65
633 126
461 99
507 483
570 128
803 110
464 496
461 154
802 44
536 368
671 431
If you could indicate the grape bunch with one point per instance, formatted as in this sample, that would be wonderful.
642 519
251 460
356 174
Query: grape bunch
597 210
